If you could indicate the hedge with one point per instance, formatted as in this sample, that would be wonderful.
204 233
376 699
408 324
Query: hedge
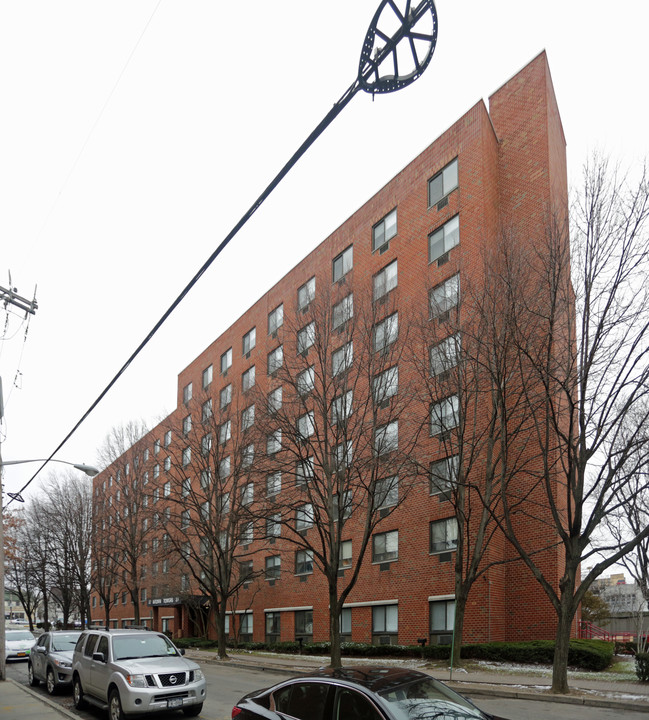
642 666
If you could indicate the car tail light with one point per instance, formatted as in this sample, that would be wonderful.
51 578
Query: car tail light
236 711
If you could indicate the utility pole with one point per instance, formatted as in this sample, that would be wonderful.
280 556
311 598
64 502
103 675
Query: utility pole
8 296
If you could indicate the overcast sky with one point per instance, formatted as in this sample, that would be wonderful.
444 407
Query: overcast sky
135 133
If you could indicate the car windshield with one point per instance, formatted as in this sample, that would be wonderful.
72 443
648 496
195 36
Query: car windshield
426 699
140 646
64 642
18 635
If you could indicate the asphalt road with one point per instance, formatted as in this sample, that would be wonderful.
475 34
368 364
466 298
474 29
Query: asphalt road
225 685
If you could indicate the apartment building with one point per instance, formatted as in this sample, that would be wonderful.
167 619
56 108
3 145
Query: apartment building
315 442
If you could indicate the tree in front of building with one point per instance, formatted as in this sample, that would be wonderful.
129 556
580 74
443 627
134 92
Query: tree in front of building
594 608
20 575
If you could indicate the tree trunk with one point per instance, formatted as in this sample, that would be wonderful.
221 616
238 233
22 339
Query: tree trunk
136 605
562 646
458 625
334 628
220 631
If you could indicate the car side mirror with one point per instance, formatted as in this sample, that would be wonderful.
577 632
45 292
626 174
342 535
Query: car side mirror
41 649
99 657
181 651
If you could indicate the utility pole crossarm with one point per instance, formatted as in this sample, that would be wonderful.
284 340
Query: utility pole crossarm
11 297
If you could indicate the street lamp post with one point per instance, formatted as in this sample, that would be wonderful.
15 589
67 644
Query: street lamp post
88 470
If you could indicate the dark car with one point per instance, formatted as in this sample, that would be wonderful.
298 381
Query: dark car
50 660
359 693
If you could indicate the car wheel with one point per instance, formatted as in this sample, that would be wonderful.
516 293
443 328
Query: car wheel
50 682
192 711
115 711
77 694
33 680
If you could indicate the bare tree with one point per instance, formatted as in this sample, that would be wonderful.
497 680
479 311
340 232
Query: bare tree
582 347
20 574
336 458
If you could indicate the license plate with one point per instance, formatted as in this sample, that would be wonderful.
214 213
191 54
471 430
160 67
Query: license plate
21 654
175 703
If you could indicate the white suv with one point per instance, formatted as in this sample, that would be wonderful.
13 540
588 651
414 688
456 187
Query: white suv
134 671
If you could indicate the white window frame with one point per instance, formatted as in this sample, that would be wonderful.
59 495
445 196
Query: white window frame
248 342
385 546
276 319
342 263
343 311
443 183
226 361
386 332
248 378
306 337
384 230
306 294
385 280
275 359
445 540
445 415
443 239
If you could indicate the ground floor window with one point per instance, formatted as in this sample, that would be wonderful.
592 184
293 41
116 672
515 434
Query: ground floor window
385 624
304 625
442 617
346 624
273 626
245 627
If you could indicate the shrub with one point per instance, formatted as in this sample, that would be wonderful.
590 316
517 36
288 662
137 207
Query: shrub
642 666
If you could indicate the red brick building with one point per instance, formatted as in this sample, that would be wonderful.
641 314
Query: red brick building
398 262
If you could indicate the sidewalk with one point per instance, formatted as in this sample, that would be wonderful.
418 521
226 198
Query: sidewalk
19 703
591 691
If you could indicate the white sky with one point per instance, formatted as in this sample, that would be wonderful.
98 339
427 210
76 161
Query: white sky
135 133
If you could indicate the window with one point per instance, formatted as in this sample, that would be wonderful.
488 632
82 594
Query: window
303 562
167 441
343 263
385 385
385 623
342 311
248 342
246 535
248 417
275 319
245 570
342 359
156 446
225 503
245 627
386 332
275 400
386 492
444 355
273 567
343 454
346 553
304 629
444 297
225 432
385 546
445 415
247 493
386 438
440 185
385 280
187 396
247 456
146 455
226 361
184 519
273 483
305 381
341 407
442 621
225 396
204 511
225 467
167 464
306 425
384 231
207 376
187 424
275 359
186 487
206 479
306 294
443 239
443 535
166 489
248 379
306 337
346 510
273 525
304 471
274 442
206 444
187 456
443 475
206 410
273 627
304 516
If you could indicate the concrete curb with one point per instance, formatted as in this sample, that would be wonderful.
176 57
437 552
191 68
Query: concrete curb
39 696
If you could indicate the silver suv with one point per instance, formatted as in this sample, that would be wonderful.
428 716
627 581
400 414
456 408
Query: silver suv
134 671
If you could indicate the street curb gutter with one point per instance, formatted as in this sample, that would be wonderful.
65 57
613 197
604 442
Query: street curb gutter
43 699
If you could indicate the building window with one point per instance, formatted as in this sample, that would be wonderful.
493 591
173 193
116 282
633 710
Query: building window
305 381
248 379
225 432
167 441
156 447
304 625
442 621
225 396
440 185
385 385
246 536
248 417
385 546
273 627
304 516
274 483
346 553
444 297
207 377
386 492
385 280
444 356
146 455
306 337
245 627
206 479
249 341
445 415
186 456
167 464
275 359
187 424
443 535
306 294
273 567
166 489
342 359
204 511
304 471
225 467
247 456
386 438
275 319
306 425
443 475
274 442
187 396
273 525
303 562
343 263
343 311
346 623
443 239
385 624
224 501
247 493
341 407
384 231
386 332
206 410
226 361
275 400
343 453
